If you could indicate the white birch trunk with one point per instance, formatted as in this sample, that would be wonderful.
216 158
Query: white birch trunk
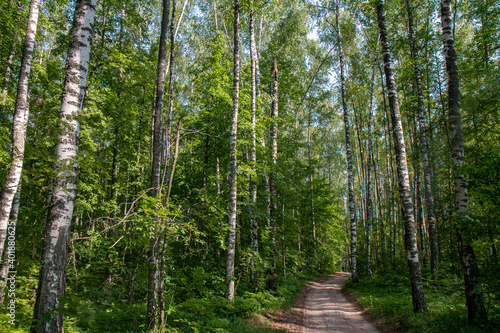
231 237
474 300
254 227
20 123
410 232
423 148
369 202
52 281
350 173
273 281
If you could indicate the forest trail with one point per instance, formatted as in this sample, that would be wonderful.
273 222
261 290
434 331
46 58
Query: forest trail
322 307
328 310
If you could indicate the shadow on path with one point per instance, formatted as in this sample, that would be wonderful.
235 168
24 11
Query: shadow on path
327 309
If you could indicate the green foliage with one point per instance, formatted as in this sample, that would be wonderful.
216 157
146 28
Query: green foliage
386 296
114 216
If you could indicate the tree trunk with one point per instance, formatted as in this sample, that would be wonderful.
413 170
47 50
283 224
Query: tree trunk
423 148
254 227
369 203
154 242
231 236
167 177
273 281
52 280
311 186
350 174
20 123
380 215
474 299
410 237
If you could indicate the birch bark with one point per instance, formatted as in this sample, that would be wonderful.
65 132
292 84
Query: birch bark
231 236
20 123
410 232
369 202
350 173
423 147
273 282
473 297
254 237
52 280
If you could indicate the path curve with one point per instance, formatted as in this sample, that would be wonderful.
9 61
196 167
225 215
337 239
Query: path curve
328 310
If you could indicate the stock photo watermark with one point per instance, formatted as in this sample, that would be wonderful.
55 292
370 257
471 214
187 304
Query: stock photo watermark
10 257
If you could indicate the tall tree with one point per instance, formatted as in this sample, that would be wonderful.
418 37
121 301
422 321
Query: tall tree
154 242
167 176
231 236
350 173
254 227
423 146
410 236
273 281
473 297
21 114
52 280
369 202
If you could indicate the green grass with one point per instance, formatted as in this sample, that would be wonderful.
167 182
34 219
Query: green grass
387 296
86 314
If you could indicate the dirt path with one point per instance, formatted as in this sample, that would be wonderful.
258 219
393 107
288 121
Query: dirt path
321 307
328 310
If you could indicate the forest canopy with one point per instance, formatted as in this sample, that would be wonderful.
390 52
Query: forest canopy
177 165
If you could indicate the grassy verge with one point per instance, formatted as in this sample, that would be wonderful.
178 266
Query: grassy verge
387 296
204 314
219 315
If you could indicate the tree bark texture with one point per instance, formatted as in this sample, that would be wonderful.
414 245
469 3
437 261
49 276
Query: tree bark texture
423 146
410 232
231 236
167 175
273 281
254 227
350 173
154 242
20 123
473 297
369 202
52 280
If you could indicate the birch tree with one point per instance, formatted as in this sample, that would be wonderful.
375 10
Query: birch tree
350 173
423 146
254 227
231 236
410 237
473 297
20 122
273 281
369 202
52 279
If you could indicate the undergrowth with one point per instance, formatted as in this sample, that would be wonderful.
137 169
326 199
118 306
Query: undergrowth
387 296
84 314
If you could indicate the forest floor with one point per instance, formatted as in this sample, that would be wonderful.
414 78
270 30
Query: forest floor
323 306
